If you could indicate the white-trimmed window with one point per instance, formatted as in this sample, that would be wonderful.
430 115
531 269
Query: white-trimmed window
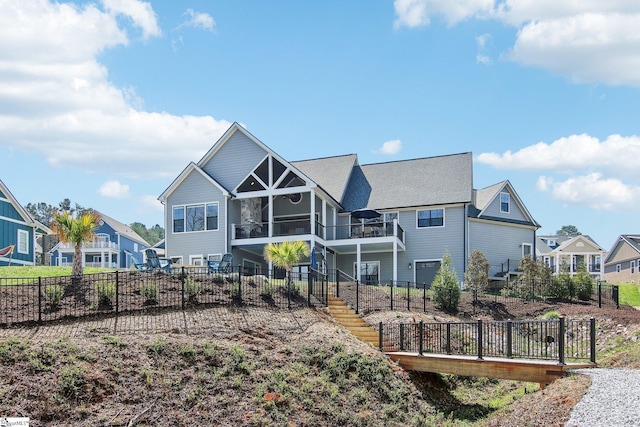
23 242
632 267
195 260
505 202
527 250
197 217
214 257
430 218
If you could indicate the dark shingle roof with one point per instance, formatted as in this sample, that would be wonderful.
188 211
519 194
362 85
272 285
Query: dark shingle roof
330 173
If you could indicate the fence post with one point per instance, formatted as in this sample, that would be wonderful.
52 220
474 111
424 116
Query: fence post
391 293
616 295
380 335
420 343
288 279
424 297
509 339
118 292
357 296
182 277
448 345
337 283
39 299
239 282
561 333
599 294
479 339
592 338
408 297
401 336
309 285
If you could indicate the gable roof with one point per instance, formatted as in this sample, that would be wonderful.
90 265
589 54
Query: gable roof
14 202
334 183
191 167
633 240
485 197
428 181
123 229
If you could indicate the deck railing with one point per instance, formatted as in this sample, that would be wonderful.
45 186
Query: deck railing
560 339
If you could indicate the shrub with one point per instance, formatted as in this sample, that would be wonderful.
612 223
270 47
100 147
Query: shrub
106 293
150 292
446 292
72 382
217 278
477 274
235 290
53 294
191 288
560 286
267 289
583 283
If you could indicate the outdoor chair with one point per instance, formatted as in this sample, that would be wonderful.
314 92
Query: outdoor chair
222 266
140 266
156 263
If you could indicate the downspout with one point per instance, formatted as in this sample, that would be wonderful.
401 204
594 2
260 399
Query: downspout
465 237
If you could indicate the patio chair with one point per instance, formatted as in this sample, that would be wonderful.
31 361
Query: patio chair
140 266
156 263
222 266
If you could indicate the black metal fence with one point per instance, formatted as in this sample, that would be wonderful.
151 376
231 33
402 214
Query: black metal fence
560 339
47 299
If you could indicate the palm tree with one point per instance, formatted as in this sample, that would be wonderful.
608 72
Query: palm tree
76 230
286 255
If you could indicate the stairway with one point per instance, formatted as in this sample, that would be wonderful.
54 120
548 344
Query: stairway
348 318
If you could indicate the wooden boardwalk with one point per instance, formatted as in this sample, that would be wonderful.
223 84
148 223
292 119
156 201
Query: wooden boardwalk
537 371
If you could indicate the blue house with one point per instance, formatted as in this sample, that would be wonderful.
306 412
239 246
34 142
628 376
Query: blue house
114 245
17 228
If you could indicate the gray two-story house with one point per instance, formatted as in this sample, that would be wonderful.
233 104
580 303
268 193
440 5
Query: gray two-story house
380 222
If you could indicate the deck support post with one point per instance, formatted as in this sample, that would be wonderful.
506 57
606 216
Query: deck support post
479 339
561 334
420 331
592 339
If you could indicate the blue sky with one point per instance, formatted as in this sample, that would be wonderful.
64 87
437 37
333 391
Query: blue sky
105 102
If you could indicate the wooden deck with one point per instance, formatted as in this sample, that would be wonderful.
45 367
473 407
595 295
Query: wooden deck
538 371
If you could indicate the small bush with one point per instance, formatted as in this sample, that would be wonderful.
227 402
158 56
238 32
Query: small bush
157 347
235 290
150 292
560 286
551 315
583 283
192 288
446 292
217 278
267 289
53 294
106 293
72 382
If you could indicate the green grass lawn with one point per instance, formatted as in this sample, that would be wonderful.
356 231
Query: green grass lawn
28 271
629 294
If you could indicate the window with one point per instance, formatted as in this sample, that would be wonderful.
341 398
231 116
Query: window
431 218
23 242
195 260
526 250
214 257
505 202
178 219
369 272
195 217
632 267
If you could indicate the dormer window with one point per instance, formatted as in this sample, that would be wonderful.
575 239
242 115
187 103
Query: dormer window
505 202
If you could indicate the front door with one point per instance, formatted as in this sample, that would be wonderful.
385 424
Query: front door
425 273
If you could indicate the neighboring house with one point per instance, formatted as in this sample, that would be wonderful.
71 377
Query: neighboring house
18 228
114 245
623 260
568 252
242 195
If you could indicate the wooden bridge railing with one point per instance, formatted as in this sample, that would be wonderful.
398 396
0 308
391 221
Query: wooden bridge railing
560 339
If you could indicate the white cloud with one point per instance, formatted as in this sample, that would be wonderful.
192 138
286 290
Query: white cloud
390 147
200 20
151 202
114 190
56 98
561 36
615 155
595 191
141 14
416 13
584 170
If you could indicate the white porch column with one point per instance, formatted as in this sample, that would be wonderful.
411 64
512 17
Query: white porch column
313 212
102 259
324 219
395 260
271 201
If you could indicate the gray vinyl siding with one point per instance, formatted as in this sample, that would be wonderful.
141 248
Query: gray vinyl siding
345 263
515 213
238 157
195 189
498 242
430 243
